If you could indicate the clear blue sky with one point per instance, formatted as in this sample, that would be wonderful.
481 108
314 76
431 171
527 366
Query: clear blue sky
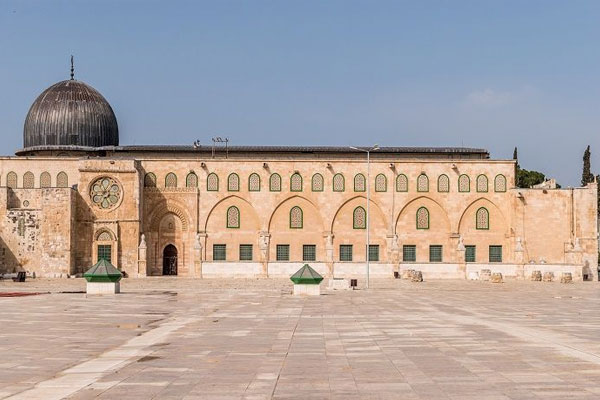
493 74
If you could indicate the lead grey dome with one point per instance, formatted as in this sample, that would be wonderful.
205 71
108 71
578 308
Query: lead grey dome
70 113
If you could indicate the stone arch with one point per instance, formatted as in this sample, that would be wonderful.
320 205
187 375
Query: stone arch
104 234
290 199
493 213
371 205
225 200
427 202
169 208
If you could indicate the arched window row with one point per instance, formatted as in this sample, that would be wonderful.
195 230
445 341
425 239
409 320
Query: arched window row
317 182
28 180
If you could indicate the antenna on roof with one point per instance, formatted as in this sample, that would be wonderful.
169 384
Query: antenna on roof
219 139
72 69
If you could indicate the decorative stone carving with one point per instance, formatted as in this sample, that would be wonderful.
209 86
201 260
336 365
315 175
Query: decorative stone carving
519 245
461 245
536 276
416 276
577 245
106 193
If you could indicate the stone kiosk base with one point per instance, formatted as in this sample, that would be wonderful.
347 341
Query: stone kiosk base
307 290
103 287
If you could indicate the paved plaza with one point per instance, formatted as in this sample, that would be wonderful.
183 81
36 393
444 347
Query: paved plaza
176 338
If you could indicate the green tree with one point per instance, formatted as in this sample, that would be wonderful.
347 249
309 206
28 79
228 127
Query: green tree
586 175
526 179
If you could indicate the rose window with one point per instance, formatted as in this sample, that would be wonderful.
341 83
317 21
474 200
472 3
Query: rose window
105 193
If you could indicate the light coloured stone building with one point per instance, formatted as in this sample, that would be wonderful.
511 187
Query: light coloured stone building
72 195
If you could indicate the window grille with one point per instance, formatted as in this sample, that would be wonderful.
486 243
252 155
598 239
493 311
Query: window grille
296 183
435 253
283 252
245 252
464 184
28 180
373 252
233 217
359 218
45 180
422 183
345 252
212 182
470 253
171 180
309 252
233 182
359 183
482 183
401 183
380 183
62 180
409 253
482 218
104 252
500 183
254 183
317 183
219 252
275 183
443 183
495 254
338 183
191 180
422 218
11 180
296 218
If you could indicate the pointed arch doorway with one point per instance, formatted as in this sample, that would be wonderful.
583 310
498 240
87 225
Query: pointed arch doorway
170 260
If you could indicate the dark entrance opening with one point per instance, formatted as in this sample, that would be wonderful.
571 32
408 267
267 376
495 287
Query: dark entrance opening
170 260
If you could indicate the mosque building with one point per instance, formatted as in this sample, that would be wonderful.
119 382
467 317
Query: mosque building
73 195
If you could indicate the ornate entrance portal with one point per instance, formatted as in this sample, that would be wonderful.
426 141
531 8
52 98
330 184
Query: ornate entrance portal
170 260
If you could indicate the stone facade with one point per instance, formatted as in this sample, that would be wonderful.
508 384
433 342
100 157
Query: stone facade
440 204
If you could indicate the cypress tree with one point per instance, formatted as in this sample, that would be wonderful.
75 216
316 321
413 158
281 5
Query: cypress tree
586 175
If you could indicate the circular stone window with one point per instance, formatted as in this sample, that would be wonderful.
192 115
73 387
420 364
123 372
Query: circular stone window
106 193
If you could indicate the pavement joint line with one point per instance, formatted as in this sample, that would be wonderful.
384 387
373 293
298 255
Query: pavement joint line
73 379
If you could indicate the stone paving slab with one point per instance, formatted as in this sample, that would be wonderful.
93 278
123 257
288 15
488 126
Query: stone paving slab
251 339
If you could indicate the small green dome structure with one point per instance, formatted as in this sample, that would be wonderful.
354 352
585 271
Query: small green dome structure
306 276
103 271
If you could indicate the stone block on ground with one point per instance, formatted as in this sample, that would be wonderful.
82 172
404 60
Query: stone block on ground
496 277
474 276
416 276
548 276
566 277
536 276
485 275
407 273
339 284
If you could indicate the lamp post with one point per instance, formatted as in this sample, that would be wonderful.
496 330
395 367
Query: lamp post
368 151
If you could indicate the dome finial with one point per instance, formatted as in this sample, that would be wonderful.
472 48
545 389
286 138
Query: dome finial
72 69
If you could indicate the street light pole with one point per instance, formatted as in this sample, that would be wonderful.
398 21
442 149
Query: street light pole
368 151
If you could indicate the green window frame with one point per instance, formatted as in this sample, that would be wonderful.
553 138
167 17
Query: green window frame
282 252
402 180
274 181
231 182
480 180
11 180
309 252
219 252
233 217
381 183
250 186
296 175
497 184
296 218
470 253
482 224
357 223
373 252
467 179
191 180
447 184
409 253
215 177
436 252
246 252
495 254
357 185
314 184
339 176
171 180
422 218
105 252
423 187
345 252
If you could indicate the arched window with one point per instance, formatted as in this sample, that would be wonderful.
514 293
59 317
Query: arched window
233 182
150 180
482 183
233 217
422 218
171 180
191 180
381 183
317 183
212 182
482 219
62 180
296 218
11 180
275 183
500 183
401 183
254 182
339 184
104 235
422 183
464 183
28 180
359 218
359 183
296 183
45 180
443 183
